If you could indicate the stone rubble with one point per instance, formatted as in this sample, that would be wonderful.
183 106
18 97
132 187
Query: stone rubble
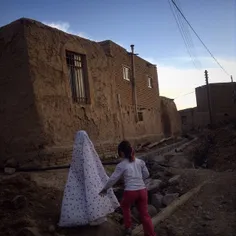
156 200
9 170
169 198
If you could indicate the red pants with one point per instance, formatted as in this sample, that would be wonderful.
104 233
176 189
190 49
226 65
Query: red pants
139 197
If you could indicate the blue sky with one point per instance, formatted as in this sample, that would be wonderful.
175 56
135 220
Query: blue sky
150 25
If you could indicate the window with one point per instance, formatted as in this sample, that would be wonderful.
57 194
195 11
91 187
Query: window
126 73
77 74
140 116
150 85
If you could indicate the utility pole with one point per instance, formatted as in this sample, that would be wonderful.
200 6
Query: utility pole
134 82
208 97
233 89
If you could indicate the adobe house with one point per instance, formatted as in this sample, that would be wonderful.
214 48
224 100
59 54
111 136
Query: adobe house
53 84
170 118
223 106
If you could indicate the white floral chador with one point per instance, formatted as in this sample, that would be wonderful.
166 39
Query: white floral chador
82 203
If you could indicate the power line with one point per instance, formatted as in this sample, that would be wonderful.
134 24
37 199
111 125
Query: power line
182 33
184 95
187 34
199 38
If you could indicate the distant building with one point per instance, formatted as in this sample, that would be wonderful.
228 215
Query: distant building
223 104
170 118
53 84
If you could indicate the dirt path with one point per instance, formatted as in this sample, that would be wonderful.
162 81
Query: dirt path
211 212
24 203
34 199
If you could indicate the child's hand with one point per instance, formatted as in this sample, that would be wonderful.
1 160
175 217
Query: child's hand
103 193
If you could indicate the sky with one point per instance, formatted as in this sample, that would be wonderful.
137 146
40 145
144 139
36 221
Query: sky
151 27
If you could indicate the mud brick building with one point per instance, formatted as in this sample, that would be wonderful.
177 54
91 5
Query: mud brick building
222 98
53 84
170 118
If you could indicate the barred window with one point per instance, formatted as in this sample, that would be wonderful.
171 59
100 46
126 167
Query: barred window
77 74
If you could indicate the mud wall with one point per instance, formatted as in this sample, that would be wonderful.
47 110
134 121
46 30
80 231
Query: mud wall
221 99
48 69
20 125
222 103
170 118
103 118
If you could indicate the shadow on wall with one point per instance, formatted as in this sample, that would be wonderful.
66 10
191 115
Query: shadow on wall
170 118
165 120
21 129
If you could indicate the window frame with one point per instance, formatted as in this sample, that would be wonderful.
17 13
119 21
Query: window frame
75 82
150 82
124 67
138 115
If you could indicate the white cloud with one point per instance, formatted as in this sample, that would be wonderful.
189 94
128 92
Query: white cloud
65 26
175 82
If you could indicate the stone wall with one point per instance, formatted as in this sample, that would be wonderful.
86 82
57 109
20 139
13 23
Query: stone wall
170 118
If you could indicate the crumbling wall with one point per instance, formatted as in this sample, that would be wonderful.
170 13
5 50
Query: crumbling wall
48 69
20 124
170 118
48 118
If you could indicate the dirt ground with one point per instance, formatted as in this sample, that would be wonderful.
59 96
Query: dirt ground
211 212
24 203
33 200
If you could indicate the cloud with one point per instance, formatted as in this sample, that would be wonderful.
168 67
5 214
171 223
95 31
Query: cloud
175 82
65 26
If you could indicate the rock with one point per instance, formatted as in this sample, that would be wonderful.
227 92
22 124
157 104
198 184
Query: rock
9 170
117 217
11 163
168 173
29 231
151 211
19 202
153 184
197 204
174 180
156 200
207 217
169 198
180 161
51 229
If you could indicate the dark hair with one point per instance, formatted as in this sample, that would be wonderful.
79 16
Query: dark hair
126 148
